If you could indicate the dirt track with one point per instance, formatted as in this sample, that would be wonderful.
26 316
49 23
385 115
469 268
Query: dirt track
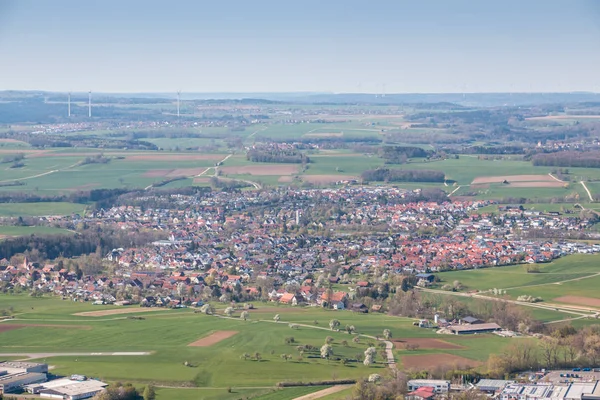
323 393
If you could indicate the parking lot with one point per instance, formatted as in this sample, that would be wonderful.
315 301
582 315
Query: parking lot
573 376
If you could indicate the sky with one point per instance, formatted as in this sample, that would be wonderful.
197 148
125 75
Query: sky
370 46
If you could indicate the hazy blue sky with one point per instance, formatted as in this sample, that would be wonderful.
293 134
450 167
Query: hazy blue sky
300 45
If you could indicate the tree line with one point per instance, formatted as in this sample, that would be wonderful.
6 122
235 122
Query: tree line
277 156
583 159
399 175
400 154
86 242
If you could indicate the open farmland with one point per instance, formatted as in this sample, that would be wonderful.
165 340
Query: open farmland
211 367
572 280
6 231
40 209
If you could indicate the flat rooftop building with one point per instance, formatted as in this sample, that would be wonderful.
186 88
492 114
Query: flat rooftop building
476 328
13 382
74 391
24 366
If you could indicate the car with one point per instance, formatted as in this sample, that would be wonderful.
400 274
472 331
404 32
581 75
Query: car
562 375
587 369
576 369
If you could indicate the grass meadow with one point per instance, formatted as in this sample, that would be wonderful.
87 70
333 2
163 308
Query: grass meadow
167 333
574 275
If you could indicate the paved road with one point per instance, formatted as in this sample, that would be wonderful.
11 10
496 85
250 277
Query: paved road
48 355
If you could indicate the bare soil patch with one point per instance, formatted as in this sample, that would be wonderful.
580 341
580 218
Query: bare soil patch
10 327
283 169
429 361
579 300
213 338
326 178
285 179
201 180
117 311
546 184
426 343
6 140
156 173
513 179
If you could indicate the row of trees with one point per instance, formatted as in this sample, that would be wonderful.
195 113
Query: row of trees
583 159
563 348
99 240
398 175
277 156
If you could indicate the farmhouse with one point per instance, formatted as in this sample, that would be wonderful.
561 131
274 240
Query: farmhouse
289 298
472 329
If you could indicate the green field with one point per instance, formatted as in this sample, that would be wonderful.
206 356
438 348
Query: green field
167 333
580 270
40 209
30 230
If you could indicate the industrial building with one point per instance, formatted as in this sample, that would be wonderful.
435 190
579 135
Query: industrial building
75 390
14 375
439 386
549 391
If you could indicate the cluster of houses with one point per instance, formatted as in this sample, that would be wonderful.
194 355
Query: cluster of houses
272 245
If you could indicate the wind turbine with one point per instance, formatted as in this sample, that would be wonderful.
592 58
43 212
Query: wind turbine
90 104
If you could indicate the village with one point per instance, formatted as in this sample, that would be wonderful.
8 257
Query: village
297 247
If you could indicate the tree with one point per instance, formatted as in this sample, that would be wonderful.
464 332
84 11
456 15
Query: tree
326 351
228 311
328 340
149 393
276 318
207 309
350 329
374 378
592 348
387 334
286 357
245 356
549 347
257 356
244 315
334 324
370 356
